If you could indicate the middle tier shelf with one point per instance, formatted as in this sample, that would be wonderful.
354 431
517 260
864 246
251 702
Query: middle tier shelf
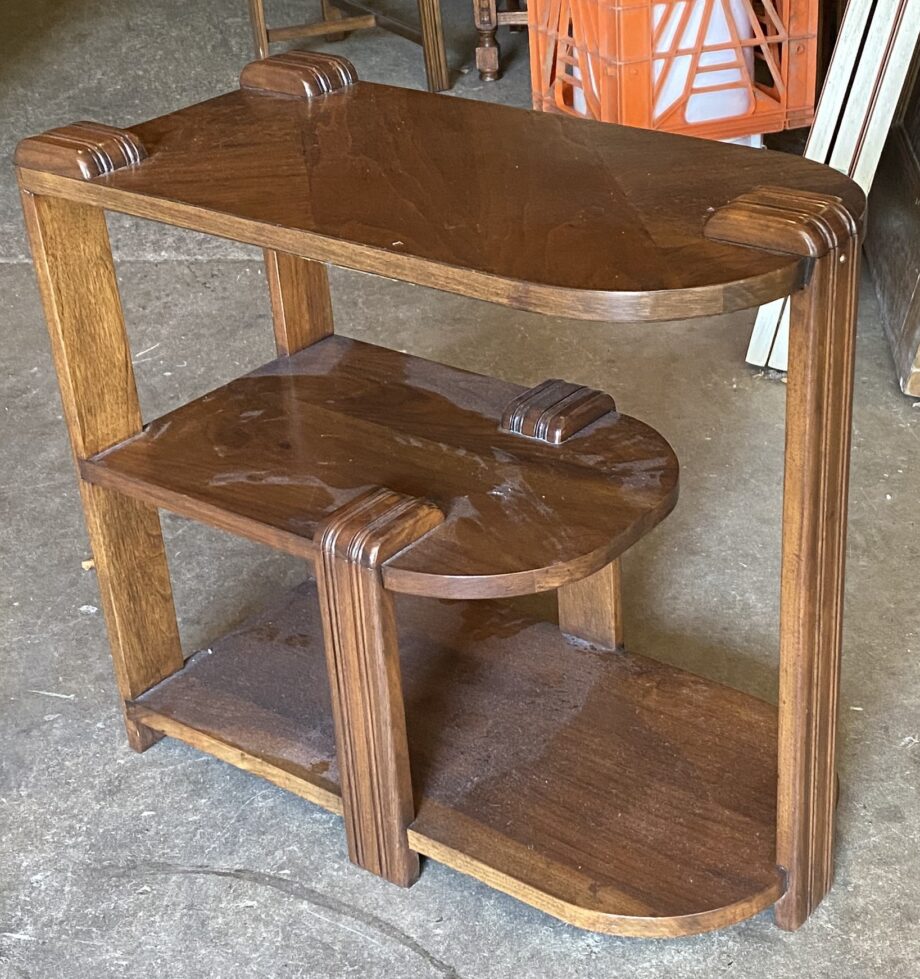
271 454
612 791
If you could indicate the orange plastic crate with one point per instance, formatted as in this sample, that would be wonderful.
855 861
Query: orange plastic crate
661 64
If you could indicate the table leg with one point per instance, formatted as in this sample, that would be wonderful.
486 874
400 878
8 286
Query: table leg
362 654
818 421
301 301
76 276
591 609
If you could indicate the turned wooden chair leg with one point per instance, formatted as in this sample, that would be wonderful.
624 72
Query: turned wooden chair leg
362 654
488 53
300 299
818 420
76 277
259 28
592 609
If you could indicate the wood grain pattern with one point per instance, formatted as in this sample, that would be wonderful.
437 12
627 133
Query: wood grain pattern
592 609
73 262
379 179
300 299
362 656
629 797
554 411
521 516
818 423
299 74
82 150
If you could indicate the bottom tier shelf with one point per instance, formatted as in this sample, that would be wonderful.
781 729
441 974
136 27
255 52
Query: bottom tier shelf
614 792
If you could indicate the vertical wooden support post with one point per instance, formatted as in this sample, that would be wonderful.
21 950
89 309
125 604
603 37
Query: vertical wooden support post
488 53
362 654
301 301
591 609
429 12
76 276
259 29
818 421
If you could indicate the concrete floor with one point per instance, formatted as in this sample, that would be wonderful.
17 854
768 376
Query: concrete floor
171 864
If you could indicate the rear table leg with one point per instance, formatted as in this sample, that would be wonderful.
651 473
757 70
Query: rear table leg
591 609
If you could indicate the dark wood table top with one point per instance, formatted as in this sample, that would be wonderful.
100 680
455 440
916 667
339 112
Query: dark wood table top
532 210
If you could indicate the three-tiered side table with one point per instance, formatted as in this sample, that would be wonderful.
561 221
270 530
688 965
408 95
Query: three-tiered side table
397 688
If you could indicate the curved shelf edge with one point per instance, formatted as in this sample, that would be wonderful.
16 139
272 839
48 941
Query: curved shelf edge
533 581
532 297
591 919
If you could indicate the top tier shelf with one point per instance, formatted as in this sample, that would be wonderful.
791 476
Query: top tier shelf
530 210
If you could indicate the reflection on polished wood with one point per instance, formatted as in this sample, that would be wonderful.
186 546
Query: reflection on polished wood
271 454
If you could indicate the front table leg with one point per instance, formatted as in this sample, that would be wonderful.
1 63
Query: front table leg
73 262
362 656
818 421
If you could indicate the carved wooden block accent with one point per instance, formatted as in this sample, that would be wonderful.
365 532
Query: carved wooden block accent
299 74
362 656
555 410
82 150
818 421
797 222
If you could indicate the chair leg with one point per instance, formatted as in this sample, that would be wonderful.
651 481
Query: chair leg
331 13
259 30
436 69
488 53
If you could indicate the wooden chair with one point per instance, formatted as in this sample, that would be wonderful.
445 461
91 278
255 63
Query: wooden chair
488 18
345 16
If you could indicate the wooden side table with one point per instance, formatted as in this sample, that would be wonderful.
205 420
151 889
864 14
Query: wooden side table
612 791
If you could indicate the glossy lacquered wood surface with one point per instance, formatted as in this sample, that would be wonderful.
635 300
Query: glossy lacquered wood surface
272 454
614 792
532 210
